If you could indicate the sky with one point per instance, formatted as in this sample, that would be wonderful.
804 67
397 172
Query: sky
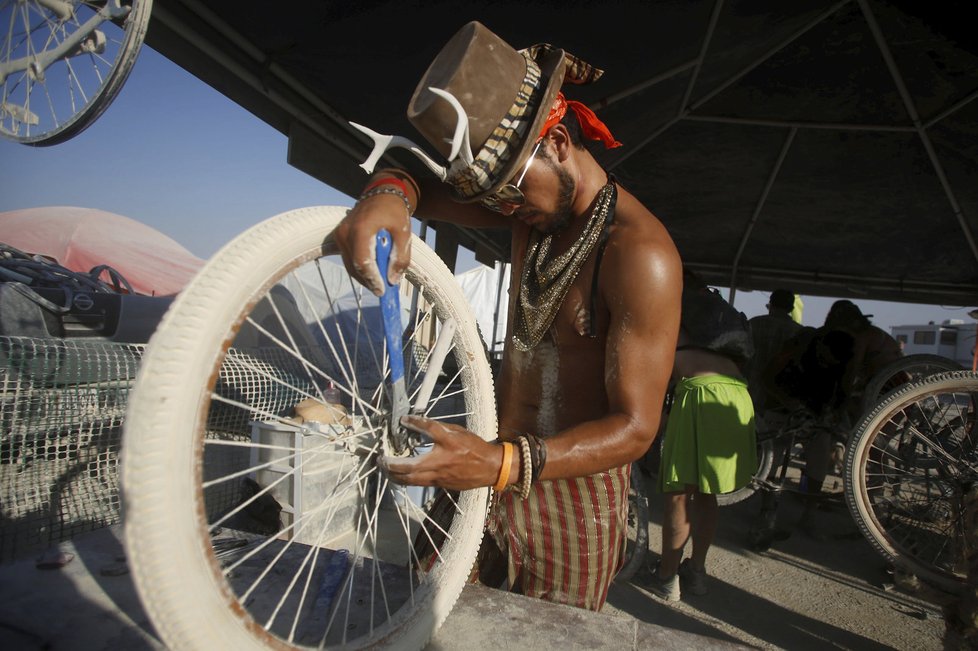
173 153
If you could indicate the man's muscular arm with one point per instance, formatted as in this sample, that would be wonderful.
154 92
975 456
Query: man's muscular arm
641 282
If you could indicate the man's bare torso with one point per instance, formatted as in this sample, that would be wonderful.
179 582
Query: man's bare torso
562 381
559 382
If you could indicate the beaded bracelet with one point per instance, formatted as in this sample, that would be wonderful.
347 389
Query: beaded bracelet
539 448
526 467
386 189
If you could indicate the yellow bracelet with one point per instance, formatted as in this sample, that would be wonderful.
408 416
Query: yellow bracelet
503 478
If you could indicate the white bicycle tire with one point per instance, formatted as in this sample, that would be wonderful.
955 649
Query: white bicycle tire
765 462
175 569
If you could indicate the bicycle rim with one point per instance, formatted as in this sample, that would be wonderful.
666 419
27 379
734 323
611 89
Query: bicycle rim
47 100
765 461
908 467
906 369
247 530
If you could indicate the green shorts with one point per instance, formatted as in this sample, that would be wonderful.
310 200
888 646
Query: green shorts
709 439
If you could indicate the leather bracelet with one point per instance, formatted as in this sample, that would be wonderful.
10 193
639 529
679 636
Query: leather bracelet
387 180
386 189
538 452
539 449
526 467
402 176
503 479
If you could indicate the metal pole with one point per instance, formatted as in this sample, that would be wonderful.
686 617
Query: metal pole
500 268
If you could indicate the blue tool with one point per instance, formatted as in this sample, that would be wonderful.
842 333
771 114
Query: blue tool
390 309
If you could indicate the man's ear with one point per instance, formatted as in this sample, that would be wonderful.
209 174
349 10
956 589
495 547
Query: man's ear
560 138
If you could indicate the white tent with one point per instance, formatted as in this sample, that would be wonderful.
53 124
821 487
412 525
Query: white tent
487 291
356 313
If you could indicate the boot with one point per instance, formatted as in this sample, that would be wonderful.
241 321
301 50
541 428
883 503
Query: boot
811 495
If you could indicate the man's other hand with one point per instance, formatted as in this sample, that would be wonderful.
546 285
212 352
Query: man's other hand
458 460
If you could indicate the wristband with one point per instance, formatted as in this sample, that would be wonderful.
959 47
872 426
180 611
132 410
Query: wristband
387 180
503 478
402 176
539 449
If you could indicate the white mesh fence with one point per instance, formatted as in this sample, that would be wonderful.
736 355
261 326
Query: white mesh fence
62 403
62 406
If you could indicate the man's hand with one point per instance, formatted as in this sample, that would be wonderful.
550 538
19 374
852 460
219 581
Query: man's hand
459 459
356 237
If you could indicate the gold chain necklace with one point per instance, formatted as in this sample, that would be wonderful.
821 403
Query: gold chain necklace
544 283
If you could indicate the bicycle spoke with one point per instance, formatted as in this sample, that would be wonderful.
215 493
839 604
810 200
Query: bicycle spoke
920 461
287 564
311 542
63 66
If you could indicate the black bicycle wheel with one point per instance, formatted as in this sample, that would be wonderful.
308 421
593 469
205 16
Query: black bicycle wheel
899 372
62 64
909 465
765 461
637 541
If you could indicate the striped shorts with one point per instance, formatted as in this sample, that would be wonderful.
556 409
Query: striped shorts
564 542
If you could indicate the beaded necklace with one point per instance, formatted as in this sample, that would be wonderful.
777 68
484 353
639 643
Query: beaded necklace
544 283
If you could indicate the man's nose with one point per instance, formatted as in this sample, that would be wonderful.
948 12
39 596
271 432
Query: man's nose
507 208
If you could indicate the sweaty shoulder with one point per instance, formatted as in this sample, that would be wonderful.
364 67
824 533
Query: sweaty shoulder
637 233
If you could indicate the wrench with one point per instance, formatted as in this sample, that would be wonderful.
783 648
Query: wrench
390 309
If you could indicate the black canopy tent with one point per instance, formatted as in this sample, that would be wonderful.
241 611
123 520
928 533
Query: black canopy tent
825 145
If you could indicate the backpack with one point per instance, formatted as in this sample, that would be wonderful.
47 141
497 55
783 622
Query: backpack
714 324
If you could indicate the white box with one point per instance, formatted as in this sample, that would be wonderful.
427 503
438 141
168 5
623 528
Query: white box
303 471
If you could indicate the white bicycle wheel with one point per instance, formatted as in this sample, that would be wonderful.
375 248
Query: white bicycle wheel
246 530
909 465
62 63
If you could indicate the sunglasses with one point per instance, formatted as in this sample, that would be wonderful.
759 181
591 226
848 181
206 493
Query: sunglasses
510 195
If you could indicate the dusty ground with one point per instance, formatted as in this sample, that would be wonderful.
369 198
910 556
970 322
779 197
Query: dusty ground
801 594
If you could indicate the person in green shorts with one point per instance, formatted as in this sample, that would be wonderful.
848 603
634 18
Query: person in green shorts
708 448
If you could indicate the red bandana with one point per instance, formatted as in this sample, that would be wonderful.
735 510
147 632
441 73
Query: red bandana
592 127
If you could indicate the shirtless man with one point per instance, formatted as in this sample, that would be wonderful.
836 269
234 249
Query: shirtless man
589 350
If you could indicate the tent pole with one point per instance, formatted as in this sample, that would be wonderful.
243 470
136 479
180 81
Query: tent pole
685 111
500 268
877 33
786 124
